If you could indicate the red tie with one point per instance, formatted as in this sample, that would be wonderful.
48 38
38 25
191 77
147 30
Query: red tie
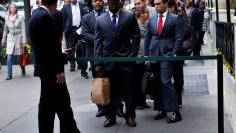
159 25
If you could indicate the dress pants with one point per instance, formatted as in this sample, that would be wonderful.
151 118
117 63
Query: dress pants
121 80
71 38
165 98
178 75
140 96
81 52
55 99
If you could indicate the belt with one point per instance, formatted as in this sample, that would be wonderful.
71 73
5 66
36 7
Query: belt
75 27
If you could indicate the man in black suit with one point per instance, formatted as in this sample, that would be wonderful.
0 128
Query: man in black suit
164 38
49 67
117 35
72 15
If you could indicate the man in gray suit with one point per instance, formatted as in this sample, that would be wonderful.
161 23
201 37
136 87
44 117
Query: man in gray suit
117 35
164 38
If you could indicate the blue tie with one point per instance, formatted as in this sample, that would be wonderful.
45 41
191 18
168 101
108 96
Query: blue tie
114 21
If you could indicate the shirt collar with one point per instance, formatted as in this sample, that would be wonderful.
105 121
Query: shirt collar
117 14
77 4
44 7
164 14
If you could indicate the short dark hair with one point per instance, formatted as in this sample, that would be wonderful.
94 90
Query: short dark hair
164 1
48 2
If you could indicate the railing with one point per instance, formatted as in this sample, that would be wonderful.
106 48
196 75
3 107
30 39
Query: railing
219 58
225 42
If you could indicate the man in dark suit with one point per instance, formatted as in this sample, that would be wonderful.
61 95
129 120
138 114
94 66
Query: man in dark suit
88 30
72 14
164 38
117 35
49 67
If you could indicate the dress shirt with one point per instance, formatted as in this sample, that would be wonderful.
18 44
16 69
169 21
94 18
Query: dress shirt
163 18
117 16
76 15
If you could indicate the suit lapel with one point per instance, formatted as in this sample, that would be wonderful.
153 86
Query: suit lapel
93 20
155 23
120 20
108 20
167 22
70 13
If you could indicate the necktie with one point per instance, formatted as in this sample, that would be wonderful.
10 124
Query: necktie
99 13
159 25
114 21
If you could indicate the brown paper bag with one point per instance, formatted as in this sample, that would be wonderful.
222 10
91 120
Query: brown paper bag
101 91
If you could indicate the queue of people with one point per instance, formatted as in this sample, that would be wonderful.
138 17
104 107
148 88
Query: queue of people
152 28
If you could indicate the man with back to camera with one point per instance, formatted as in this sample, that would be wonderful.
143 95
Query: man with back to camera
49 67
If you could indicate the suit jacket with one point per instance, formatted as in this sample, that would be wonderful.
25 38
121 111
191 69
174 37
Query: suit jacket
46 44
67 16
58 16
170 40
88 31
123 42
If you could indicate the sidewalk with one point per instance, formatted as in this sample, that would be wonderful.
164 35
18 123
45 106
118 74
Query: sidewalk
19 99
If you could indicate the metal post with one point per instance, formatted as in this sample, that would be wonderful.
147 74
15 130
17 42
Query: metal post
217 11
220 93
27 9
228 11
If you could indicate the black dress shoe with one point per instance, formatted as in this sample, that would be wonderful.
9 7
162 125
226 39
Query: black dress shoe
84 77
160 115
131 122
100 113
109 122
175 117
119 112
145 105
139 107
72 69
9 77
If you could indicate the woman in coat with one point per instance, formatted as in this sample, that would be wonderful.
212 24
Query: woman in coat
14 37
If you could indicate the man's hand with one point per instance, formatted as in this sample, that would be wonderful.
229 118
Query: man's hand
61 78
147 63
98 68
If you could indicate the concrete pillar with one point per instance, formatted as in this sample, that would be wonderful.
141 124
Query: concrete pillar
213 31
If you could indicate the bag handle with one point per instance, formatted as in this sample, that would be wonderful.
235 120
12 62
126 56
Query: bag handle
100 74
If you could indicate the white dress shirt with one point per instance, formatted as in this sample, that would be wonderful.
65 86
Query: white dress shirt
76 15
117 16
163 18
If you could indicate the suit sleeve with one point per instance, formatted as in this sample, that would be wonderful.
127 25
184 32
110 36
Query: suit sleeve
135 37
86 35
63 11
98 46
147 39
179 30
53 46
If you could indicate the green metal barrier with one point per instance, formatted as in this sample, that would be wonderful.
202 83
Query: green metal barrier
219 59
130 59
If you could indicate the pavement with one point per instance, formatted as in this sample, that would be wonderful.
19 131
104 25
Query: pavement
19 100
